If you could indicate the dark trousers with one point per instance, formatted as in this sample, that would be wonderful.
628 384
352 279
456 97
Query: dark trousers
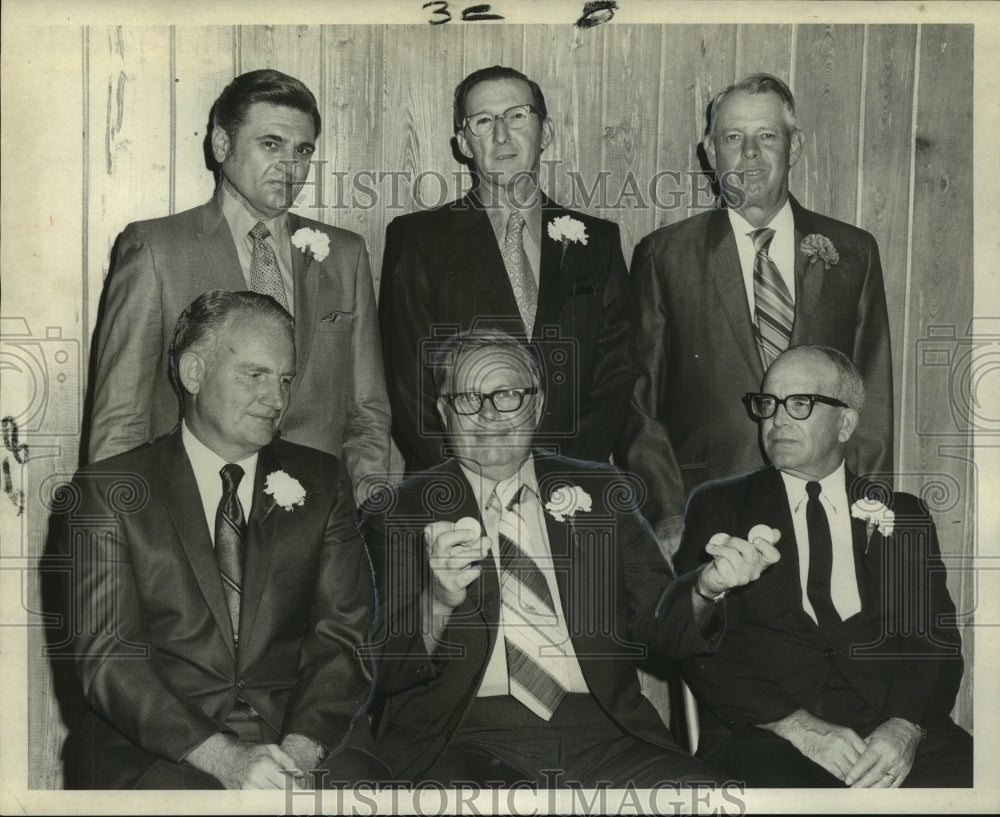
762 759
501 742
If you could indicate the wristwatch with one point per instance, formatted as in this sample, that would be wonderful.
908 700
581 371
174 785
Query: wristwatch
705 596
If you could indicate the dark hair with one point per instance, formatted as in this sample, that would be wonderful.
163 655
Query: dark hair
850 383
199 324
487 75
757 84
473 340
264 85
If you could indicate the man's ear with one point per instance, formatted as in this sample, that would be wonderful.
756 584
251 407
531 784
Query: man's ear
463 144
797 141
548 133
191 371
709 144
539 407
221 144
848 423
441 406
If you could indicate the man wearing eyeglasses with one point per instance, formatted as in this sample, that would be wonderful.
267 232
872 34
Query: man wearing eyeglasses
519 588
840 665
507 257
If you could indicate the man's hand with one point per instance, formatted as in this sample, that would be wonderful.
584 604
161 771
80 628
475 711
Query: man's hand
738 561
454 550
239 765
888 756
668 536
835 748
306 753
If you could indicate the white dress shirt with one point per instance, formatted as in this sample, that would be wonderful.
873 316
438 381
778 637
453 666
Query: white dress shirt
565 668
843 578
207 466
781 250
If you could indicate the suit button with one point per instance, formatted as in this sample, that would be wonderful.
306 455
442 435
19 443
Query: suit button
241 684
831 652
448 734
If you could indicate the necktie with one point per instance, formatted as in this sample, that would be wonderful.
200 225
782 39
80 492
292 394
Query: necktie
522 280
265 277
230 541
820 560
531 626
774 306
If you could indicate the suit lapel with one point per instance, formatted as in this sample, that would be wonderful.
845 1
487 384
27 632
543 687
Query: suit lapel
223 270
867 550
556 258
306 283
726 272
183 501
261 527
809 276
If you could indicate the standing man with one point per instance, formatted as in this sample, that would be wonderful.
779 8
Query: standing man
264 130
841 664
519 590
505 256
721 294
224 588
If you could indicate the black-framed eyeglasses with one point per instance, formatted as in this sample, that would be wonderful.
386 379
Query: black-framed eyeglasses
799 406
503 400
515 118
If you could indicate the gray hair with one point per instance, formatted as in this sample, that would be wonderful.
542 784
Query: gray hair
850 383
473 340
757 84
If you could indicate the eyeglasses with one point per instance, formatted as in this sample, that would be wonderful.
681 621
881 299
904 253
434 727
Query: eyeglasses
503 400
799 406
515 118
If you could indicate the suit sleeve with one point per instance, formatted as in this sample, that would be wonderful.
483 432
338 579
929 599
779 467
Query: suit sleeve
871 448
605 393
645 448
128 350
111 646
406 315
366 430
335 683
727 681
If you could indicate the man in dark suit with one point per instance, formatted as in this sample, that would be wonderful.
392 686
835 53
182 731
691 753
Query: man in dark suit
840 664
720 294
221 619
505 256
519 590
264 127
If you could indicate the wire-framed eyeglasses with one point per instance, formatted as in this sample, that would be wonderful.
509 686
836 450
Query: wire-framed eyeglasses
503 400
515 118
763 406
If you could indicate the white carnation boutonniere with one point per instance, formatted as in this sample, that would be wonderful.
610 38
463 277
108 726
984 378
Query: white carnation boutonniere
875 514
312 242
286 490
566 229
819 246
566 501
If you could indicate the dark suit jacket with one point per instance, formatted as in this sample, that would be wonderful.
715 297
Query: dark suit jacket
443 273
698 356
901 653
155 654
338 402
617 592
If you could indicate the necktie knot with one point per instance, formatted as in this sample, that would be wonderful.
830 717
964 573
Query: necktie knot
232 475
515 226
813 489
762 239
259 232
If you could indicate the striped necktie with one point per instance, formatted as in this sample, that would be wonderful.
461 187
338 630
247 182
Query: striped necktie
230 541
774 306
265 276
522 280
531 626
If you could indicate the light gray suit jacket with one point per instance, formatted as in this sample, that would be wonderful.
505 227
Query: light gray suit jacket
338 402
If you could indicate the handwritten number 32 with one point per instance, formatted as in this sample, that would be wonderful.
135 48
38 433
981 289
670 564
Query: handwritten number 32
470 14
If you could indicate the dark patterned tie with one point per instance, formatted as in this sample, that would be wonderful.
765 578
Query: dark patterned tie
265 276
230 541
522 280
820 560
774 309
531 626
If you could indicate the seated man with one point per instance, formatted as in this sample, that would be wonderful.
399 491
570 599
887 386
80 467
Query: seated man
224 583
519 589
840 665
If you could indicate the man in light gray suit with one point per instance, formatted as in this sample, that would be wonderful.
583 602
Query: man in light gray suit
264 127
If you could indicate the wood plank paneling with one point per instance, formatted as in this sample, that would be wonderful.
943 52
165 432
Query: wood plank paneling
763 49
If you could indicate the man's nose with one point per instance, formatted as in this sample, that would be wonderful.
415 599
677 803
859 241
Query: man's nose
274 395
750 147
781 416
501 133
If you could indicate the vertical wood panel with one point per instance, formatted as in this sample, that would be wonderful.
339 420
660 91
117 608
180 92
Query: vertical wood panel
764 49
828 98
941 295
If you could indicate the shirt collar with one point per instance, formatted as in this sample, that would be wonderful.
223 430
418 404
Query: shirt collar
483 487
205 461
782 222
834 487
241 221
499 214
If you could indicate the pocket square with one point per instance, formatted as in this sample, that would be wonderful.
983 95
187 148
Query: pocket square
333 316
584 288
